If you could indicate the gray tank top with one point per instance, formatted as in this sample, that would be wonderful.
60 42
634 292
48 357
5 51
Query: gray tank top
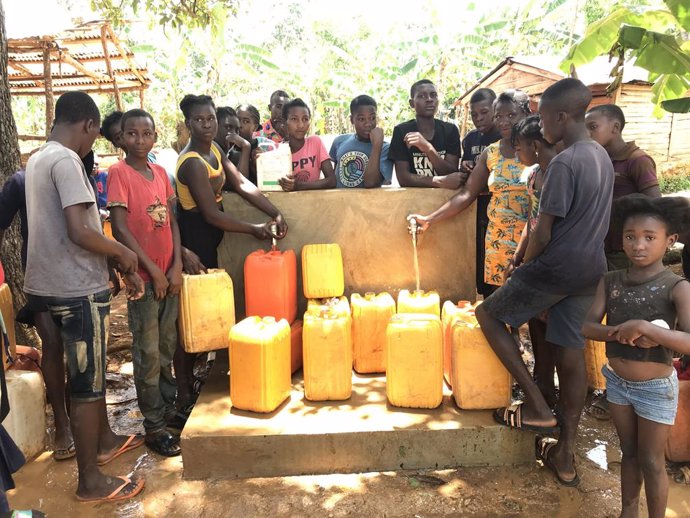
649 300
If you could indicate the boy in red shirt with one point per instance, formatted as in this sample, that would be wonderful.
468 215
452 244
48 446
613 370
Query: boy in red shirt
141 200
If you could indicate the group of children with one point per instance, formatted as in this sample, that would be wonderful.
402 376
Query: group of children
544 185
556 278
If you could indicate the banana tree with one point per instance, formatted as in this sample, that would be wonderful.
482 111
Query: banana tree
653 39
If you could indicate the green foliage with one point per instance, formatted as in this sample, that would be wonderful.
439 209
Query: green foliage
654 39
178 14
675 179
253 48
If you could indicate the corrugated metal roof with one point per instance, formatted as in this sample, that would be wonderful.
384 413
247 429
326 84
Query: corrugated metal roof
77 59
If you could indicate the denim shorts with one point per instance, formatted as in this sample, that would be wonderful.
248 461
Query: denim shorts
516 302
83 323
655 400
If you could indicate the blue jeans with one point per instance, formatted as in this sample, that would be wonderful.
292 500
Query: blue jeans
83 323
655 400
153 324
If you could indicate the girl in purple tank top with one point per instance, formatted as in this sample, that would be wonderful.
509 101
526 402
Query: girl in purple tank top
647 309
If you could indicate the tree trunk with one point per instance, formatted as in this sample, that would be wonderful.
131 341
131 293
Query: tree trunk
9 164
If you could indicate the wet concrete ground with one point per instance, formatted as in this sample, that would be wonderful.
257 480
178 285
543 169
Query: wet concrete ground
529 491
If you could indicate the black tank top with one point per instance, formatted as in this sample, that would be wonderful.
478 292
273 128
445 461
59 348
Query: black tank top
649 300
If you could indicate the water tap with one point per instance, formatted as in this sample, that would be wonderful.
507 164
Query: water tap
274 231
413 228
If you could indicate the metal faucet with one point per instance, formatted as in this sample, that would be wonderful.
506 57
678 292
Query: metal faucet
274 231
413 228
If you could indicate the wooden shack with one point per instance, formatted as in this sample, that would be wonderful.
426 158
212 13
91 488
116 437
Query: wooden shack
90 58
665 139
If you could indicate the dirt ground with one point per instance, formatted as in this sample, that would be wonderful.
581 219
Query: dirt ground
525 491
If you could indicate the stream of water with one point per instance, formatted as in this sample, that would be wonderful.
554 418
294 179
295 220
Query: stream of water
416 259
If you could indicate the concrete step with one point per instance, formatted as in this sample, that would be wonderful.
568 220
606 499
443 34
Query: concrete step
361 434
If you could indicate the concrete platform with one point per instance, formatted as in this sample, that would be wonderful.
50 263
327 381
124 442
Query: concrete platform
361 434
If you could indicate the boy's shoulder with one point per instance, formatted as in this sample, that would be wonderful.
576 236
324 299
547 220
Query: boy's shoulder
582 152
410 125
341 139
447 125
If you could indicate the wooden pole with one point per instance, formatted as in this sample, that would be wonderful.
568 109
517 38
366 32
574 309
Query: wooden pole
141 98
109 67
48 87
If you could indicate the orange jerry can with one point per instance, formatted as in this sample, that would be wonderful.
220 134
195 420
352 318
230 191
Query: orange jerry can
327 354
678 441
478 378
339 305
450 313
414 361
595 359
7 309
259 364
419 301
207 311
370 316
295 346
270 284
322 271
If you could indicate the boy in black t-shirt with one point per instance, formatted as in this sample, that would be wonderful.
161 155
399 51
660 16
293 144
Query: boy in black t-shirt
482 112
426 151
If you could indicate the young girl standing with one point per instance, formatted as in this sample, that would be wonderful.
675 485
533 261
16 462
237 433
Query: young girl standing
647 310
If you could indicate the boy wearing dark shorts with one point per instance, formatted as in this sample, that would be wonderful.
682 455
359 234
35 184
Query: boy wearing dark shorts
12 202
67 272
563 264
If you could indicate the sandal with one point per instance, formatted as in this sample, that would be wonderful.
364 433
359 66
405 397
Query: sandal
164 443
65 453
132 443
119 493
511 417
542 446
599 407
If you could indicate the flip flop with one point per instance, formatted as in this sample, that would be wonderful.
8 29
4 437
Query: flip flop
511 417
542 446
599 408
65 453
132 443
115 495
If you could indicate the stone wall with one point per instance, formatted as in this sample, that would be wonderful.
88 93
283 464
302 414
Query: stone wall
370 227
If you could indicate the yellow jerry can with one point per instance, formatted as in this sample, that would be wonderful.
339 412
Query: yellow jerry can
207 311
419 301
414 361
327 356
259 364
322 271
370 316
450 313
478 378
